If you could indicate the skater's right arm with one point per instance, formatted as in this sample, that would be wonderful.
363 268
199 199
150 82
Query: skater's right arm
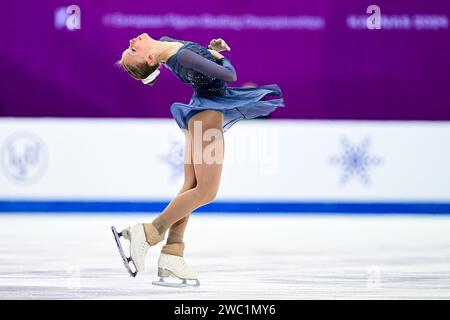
224 70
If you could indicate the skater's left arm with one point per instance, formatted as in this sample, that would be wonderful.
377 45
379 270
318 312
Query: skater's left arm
223 61
224 70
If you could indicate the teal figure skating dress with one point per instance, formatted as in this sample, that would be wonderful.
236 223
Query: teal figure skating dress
194 64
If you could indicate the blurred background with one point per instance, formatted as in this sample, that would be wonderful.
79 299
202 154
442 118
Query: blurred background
312 193
365 127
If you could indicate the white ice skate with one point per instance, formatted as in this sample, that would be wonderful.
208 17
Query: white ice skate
138 247
172 269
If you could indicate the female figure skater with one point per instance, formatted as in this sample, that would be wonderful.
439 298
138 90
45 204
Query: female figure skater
214 107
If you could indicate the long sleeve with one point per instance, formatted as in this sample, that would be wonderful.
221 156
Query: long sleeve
190 59
169 39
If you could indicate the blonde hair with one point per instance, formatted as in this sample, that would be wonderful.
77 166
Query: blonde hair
140 70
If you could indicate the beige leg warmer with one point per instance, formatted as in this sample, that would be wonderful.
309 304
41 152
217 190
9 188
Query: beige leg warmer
176 249
160 224
152 235
174 237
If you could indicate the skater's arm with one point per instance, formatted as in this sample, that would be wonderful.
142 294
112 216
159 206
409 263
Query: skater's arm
216 54
224 70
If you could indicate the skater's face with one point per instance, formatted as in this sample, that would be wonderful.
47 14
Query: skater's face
139 51
139 58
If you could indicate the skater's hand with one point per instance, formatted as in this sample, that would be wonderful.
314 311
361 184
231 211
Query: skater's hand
216 54
218 45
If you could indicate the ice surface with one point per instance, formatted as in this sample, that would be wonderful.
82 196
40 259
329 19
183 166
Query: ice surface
237 257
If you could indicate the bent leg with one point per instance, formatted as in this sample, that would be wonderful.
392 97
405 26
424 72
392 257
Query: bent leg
207 174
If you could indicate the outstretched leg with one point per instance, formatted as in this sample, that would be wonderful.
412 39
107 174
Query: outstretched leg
205 129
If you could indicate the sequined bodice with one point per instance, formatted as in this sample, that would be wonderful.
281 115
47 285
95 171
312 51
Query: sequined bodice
204 85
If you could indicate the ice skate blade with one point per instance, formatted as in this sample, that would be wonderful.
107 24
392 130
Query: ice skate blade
126 261
183 284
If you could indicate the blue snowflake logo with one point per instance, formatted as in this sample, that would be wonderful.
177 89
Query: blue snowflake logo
356 161
175 158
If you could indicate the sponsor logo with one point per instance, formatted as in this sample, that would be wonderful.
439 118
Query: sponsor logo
23 157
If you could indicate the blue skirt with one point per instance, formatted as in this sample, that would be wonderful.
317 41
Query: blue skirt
236 104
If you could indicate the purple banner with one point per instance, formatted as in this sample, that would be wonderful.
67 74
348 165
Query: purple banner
332 59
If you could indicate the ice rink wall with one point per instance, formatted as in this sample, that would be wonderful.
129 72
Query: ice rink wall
284 166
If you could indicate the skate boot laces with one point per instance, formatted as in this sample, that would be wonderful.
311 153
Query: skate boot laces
183 262
144 247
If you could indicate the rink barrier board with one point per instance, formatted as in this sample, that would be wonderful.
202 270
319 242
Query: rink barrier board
287 163
226 207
